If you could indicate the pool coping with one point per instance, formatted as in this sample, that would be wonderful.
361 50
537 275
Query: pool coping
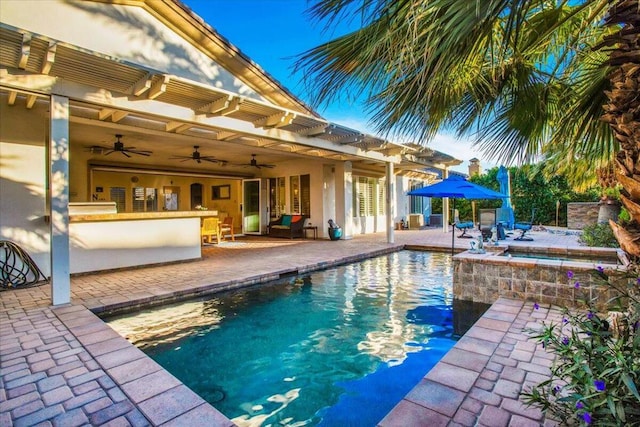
228 285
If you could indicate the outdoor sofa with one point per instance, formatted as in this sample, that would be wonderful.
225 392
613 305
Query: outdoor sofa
288 226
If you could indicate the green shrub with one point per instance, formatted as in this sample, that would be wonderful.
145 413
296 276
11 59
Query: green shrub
624 216
596 373
600 235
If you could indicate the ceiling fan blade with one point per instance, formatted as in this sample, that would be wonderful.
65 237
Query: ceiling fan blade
109 152
139 152
125 153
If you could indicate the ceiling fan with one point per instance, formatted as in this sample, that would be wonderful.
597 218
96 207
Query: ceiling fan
118 146
255 163
198 157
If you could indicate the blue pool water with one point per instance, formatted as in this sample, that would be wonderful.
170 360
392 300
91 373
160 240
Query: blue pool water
339 347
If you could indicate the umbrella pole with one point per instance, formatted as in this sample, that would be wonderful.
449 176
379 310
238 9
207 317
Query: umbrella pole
453 227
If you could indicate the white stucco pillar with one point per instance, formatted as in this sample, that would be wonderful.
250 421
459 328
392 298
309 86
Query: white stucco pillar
344 198
328 198
58 195
445 206
390 204
401 208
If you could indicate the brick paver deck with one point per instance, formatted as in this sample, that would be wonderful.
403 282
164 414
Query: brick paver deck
62 366
479 380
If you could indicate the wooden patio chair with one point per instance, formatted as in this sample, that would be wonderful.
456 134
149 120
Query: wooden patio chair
226 227
210 228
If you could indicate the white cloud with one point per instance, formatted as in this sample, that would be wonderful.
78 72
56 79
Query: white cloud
445 143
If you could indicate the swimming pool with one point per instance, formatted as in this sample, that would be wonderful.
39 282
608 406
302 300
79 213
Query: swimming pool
339 347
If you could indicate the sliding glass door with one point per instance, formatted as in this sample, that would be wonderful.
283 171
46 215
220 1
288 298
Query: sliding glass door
253 206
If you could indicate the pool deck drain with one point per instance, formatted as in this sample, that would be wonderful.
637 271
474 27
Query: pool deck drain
63 366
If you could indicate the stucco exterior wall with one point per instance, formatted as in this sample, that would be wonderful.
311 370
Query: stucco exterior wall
22 199
106 245
23 180
401 200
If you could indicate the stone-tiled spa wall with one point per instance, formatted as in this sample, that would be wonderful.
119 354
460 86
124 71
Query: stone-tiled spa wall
582 214
486 277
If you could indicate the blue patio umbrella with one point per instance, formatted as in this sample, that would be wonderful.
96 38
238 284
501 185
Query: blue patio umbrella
456 187
504 180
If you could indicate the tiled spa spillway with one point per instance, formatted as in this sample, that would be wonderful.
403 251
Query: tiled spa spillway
486 277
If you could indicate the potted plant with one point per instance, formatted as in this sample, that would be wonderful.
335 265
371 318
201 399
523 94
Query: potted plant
334 230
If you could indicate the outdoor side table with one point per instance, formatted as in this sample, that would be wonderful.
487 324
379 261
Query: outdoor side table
311 227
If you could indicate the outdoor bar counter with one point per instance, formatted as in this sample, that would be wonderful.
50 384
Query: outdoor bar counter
104 241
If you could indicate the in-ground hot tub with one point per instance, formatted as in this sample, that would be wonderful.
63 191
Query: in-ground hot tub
597 256
535 274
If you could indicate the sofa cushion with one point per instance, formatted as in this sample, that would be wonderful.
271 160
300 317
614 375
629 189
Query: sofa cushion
286 220
281 227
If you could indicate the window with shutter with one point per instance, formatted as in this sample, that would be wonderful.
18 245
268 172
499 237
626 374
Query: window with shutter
363 194
145 199
382 196
118 195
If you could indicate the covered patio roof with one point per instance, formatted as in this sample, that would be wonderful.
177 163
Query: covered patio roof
230 125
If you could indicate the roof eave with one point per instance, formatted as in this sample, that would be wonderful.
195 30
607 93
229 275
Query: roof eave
181 19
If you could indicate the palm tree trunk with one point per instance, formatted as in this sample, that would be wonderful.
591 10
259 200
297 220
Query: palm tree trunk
623 115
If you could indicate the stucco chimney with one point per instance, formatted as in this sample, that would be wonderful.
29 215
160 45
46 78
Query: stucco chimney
474 167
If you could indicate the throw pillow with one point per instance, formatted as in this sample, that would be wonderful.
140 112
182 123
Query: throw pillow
286 220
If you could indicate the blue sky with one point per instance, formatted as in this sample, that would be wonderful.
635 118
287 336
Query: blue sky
273 32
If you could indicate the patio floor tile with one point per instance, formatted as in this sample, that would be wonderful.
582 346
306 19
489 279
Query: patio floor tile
411 414
440 398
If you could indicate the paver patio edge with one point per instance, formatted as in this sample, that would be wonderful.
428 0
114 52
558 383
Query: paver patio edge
490 381
89 329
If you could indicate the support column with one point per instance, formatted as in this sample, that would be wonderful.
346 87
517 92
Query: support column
390 202
329 197
445 206
344 199
59 199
